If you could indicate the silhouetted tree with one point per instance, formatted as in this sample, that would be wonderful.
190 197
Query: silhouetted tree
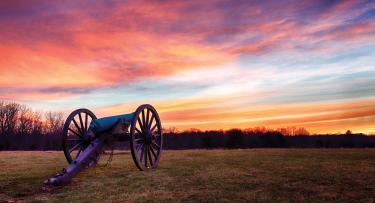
301 131
37 124
54 122
8 118
25 120
293 131
170 130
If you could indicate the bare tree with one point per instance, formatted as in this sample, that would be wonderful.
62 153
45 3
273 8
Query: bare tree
54 122
37 124
293 131
302 131
2 117
171 130
8 117
283 131
25 120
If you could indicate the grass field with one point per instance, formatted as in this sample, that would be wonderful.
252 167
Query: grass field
256 175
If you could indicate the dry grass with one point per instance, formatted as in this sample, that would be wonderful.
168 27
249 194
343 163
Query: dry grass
260 175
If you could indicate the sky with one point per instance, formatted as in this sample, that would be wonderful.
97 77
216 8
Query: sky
201 64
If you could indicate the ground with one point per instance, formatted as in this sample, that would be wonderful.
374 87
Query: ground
256 175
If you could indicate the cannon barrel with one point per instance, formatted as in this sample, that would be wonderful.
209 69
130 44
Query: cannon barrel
106 123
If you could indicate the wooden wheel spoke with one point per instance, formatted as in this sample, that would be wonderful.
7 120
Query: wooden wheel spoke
79 129
80 150
86 124
156 145
139 147
74 132
139 131
138 135
146 151
142 151
73 139
143 120
74 147
140 125
81 122
139 140
147 119
153 128
156 135
151 121
153 152
149 156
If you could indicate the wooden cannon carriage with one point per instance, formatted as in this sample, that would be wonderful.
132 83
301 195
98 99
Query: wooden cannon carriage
85 138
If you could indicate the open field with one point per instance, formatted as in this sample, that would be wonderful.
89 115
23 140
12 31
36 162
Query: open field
261 175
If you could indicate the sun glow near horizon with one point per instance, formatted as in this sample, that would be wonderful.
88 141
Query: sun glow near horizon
205 65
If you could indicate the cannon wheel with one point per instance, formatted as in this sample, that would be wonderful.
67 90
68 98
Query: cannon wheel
146 141
74 138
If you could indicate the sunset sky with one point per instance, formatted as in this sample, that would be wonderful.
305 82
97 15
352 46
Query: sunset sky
202 64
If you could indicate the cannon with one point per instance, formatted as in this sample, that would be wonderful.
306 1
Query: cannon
85 137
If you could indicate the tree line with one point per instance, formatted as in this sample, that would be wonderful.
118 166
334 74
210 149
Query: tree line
21 128
255 138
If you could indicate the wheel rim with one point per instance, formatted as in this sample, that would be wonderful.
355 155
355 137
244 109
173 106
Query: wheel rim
146 137
75 133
